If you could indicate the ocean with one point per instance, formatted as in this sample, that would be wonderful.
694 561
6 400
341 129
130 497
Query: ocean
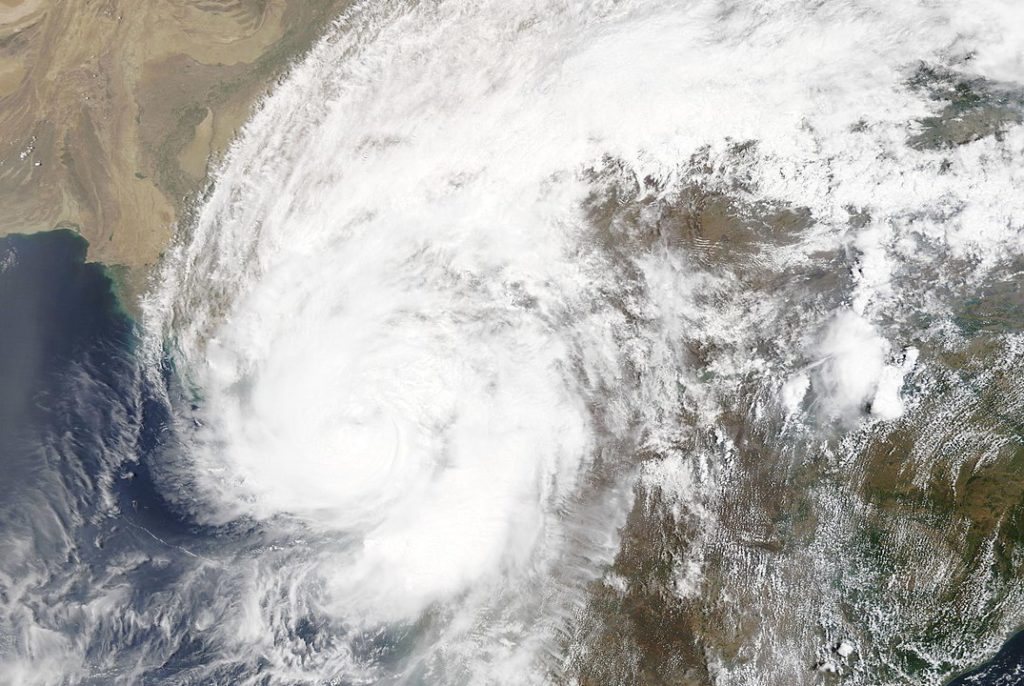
531 342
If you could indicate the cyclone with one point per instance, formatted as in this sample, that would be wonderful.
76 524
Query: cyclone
437 323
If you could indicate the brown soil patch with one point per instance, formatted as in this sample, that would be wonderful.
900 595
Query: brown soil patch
112 111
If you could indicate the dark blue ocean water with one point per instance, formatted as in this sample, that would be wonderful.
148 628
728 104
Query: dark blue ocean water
74 411
93 557
1005 669
81 519
102 575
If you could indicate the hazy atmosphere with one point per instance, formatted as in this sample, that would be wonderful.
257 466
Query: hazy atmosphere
613 342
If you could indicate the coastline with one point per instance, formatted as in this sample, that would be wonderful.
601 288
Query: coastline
113 118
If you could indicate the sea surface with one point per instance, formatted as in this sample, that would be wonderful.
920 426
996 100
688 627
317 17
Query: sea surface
76 435
530 342
1006 668
80 518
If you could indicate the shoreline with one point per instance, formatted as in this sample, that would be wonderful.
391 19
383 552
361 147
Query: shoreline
113 121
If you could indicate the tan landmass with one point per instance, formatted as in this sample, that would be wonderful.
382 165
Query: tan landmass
111 111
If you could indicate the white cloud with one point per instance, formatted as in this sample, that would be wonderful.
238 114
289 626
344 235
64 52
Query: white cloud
854 373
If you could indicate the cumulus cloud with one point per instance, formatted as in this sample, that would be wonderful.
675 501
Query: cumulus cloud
854 371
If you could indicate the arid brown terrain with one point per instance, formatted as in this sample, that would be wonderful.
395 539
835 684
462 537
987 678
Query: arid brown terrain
111 111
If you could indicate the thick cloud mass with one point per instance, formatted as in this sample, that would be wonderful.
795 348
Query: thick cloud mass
398 316
441 306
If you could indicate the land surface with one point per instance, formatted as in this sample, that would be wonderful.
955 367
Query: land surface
111 115
113 111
